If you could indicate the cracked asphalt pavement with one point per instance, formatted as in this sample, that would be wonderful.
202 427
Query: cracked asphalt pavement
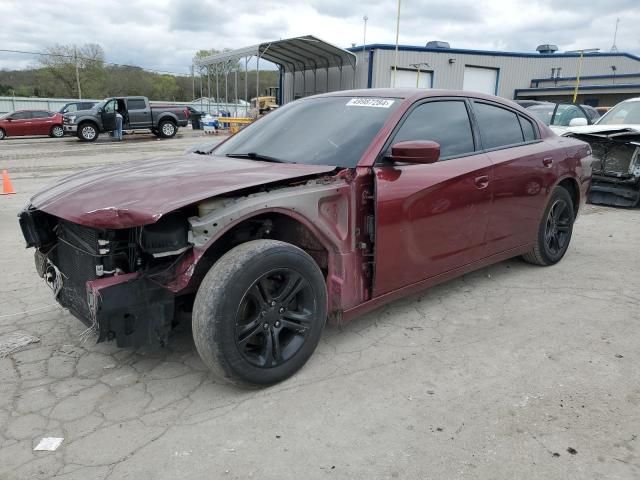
514 371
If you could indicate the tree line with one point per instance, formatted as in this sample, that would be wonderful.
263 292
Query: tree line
55 75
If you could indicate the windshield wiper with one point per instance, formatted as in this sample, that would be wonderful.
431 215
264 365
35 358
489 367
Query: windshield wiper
255 156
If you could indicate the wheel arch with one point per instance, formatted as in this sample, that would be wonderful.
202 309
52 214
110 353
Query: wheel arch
572 186
274 224
167 117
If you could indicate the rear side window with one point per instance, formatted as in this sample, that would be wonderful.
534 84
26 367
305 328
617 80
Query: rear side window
498 127
444 122
136 104
40 114
527 129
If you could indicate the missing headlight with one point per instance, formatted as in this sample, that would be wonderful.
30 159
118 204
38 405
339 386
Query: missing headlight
166 237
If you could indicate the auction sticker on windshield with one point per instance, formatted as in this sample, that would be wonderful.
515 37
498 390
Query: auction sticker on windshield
370 102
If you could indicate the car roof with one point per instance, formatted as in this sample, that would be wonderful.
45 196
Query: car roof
415 94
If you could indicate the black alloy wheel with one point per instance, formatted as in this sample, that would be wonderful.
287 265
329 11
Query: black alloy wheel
274 317
558 226
554 231
259 313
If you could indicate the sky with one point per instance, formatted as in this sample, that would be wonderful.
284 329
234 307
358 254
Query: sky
164 34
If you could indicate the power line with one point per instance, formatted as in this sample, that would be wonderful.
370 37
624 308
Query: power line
43 54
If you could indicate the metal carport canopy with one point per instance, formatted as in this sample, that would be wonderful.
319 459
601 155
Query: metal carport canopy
293 55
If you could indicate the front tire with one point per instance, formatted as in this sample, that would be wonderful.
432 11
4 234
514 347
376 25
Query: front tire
259 313
57 131
555 230
88 132
167 129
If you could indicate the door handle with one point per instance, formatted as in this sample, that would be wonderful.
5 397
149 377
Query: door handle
547 161
481 181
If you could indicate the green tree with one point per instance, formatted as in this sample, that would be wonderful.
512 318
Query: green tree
60 64
165 87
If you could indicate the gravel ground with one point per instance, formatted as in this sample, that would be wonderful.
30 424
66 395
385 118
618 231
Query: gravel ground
511 372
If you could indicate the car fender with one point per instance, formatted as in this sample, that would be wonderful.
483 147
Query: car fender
325 208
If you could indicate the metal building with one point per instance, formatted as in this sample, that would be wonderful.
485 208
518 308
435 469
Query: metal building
605 77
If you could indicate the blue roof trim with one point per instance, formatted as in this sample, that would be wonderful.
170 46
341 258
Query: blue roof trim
586 77
413 48
617 86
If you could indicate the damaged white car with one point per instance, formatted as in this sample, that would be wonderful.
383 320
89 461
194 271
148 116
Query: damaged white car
615 141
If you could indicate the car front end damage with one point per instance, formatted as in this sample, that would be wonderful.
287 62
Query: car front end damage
616 166
112 280
132 285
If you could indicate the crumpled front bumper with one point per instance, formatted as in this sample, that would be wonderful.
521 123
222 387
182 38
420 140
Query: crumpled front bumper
70 127
130 308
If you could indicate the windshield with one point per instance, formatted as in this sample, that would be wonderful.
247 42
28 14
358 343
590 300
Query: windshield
543 112
625 113
316 131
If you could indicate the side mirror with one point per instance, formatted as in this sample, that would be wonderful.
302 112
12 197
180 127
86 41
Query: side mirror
578 122
416 151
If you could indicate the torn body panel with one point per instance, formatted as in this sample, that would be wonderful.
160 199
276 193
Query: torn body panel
616 166
327 209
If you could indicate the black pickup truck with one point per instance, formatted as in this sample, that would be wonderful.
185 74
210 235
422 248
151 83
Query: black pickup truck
137 114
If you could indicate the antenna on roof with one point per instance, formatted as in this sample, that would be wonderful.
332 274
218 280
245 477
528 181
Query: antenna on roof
614 48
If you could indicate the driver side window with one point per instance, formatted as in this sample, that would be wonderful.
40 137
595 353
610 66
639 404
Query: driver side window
445 122
110 106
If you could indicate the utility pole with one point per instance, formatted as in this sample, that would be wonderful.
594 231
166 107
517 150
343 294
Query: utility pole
364 38
395 63
193 80
579 72
75 58
417 67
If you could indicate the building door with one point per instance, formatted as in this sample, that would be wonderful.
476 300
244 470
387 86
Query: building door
480 79
411 79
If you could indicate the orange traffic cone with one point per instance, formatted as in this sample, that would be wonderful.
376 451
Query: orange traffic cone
7 188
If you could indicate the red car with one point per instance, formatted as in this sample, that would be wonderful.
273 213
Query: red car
31 122
326 208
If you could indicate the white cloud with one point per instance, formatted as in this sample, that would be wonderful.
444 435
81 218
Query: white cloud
164 34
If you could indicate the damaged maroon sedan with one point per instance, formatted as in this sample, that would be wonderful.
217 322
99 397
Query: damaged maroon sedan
325 209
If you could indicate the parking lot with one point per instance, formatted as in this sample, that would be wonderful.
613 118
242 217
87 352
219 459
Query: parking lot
514 371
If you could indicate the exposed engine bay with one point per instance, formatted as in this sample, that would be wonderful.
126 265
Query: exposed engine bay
616 167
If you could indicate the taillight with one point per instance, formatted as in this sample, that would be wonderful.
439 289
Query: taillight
186 112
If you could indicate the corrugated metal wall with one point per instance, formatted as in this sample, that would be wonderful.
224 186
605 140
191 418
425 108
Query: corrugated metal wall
514 71
307 83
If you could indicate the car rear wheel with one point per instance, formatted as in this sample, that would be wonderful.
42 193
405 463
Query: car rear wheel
57 131
259 313
2 134
167 129
87 132
554 232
